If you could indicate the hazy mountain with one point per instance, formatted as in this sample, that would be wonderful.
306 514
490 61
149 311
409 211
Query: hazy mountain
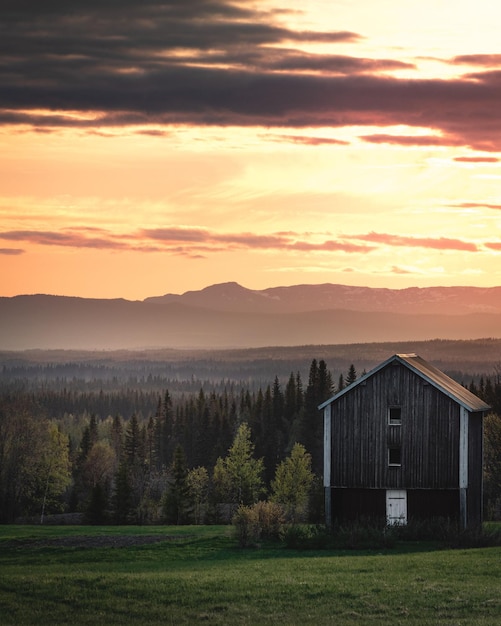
301 298
230 316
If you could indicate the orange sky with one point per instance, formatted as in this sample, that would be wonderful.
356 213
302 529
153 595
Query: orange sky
176 145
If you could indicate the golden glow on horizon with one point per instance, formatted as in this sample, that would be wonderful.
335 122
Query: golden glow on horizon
91 205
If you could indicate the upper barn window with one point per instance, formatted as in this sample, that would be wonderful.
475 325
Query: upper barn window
394 457
395 416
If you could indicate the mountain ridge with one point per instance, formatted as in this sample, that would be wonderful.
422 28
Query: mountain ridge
230 316
327 296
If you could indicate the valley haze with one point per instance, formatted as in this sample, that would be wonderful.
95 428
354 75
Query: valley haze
229 316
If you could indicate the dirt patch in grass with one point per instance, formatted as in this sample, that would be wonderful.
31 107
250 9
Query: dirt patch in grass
87 541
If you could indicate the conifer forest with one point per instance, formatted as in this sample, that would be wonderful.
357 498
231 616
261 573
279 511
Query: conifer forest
134 451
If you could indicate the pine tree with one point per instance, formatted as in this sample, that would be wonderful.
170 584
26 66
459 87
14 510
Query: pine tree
166 431
319 389
117 437
132 445
177 502
122 494
290 400
151 446
351 377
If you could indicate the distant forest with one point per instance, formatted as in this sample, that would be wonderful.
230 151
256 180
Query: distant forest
146 440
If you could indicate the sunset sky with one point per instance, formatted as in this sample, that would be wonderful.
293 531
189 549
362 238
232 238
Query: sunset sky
151 147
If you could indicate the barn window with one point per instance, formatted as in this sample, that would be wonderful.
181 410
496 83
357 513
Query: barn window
394 457
395 416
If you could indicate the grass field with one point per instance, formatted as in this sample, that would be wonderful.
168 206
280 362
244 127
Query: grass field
191 575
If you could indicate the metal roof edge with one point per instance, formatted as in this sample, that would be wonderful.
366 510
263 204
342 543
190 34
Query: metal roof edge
404 359
462 402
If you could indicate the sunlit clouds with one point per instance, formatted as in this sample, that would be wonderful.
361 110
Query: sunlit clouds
164 146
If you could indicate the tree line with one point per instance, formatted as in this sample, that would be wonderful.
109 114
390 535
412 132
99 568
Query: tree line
182 458
123 469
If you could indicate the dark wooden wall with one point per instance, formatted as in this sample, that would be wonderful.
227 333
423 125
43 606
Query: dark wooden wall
475 469
428 436
370 504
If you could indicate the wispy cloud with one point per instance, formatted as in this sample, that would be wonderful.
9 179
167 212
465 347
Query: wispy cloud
477 159
198 242
63 238
476 205
412 140
485 60
307 140
494 246
186 241
11 251
439 243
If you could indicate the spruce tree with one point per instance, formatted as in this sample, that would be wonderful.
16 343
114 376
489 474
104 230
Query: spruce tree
132 444
177 502
351 377
122 494
319 389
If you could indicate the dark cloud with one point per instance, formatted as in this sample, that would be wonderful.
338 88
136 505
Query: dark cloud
486 60
210 62
335 64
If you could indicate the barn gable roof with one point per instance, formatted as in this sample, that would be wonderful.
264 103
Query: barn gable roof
430 374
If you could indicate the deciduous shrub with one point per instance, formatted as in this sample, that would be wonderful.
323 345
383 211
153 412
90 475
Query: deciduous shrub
246 523
263 520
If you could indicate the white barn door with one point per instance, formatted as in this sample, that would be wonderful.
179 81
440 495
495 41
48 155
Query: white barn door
396 506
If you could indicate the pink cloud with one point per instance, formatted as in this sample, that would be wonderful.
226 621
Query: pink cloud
399 270
411 140
487 60
11 251
308 141
477 159
63 238
199 242
192 242
475 205
441 243
331 246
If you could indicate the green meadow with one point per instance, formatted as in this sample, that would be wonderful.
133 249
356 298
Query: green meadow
191 575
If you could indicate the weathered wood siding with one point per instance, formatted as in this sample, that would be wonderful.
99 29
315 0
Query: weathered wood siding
475 469
428 436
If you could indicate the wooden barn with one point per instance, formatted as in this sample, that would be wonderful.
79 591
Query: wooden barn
403 442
